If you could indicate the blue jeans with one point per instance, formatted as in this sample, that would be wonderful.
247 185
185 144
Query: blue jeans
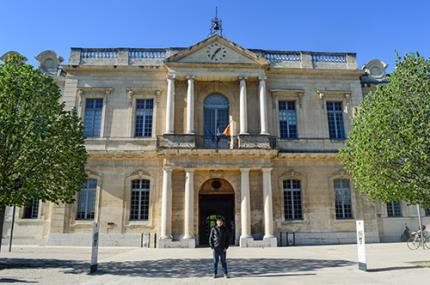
219 253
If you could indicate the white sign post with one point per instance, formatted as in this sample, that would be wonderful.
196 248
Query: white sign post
361 246
95 248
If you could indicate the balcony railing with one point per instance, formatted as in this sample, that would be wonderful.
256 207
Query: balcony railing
185 141
99 53
156 56
283 56
329 57
147 53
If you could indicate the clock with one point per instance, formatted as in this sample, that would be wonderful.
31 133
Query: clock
216 52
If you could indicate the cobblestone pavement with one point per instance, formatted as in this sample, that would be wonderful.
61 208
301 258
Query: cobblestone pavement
333 264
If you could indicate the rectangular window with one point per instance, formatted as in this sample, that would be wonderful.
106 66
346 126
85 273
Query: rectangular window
427 212
143 119
394 209
287 120
343 202
292 200
139 206
93 117
335 120
86 200
31 211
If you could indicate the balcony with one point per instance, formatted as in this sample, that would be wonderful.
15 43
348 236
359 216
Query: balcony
186 141
300 145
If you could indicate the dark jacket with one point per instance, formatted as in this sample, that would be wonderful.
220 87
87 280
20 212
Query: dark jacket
219 237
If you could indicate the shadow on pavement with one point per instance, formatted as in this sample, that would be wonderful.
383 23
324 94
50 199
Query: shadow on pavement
394 268
182 268
13 280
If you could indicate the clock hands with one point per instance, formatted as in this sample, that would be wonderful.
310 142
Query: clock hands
217 51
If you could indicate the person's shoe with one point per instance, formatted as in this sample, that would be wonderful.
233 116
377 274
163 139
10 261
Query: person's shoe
214 275
226 275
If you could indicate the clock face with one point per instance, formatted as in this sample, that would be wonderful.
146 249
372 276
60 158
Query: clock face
216 52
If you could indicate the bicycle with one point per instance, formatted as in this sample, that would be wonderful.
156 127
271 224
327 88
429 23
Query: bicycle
415 241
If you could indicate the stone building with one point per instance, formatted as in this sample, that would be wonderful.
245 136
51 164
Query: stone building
177 136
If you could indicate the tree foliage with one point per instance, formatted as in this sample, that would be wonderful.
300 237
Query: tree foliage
42 153
387 153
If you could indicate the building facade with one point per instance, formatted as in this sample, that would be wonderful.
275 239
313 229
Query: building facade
176 136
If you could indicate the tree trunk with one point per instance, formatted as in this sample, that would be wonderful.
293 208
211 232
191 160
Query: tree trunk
2 213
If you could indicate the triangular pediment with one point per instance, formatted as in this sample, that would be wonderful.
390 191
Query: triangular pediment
216 50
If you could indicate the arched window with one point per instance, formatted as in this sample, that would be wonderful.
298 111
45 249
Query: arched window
343 204
139 206
292 199
216 119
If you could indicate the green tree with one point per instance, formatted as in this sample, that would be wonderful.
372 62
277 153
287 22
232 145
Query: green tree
387 153
42 153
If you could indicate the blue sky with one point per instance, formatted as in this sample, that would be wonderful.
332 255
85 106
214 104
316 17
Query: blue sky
372 29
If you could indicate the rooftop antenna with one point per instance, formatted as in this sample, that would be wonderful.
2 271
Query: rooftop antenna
216 24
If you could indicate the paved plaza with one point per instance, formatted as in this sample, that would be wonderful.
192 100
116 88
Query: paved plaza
328 264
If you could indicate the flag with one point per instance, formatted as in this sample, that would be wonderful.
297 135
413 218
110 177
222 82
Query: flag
227 131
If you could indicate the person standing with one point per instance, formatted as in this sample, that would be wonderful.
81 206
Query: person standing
219 240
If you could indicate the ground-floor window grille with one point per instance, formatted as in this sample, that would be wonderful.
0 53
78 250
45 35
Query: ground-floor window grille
31 211
343 202
292 200
139 206
394 209
427 212
86 200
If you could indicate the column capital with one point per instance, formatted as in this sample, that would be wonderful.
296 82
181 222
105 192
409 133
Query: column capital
189 169
171 75
191 77
168 168
266 169
245 169
243 77
262 77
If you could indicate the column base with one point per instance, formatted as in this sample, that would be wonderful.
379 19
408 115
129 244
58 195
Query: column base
266 242
270 241
245 241
183 243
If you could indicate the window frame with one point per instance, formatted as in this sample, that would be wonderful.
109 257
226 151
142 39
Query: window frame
284 190
39 204
288 137
335 112
292 174
133 97
141 189
333 188
142 175
144 115
288 95
393 209
85 117
86 202
94 93
72 209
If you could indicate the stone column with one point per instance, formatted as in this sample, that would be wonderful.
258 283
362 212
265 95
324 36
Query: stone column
170 104
189 204
245 207
267 202
263 106
166 203
190 105
243 107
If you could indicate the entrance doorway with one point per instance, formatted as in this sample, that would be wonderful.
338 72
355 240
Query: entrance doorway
216 199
